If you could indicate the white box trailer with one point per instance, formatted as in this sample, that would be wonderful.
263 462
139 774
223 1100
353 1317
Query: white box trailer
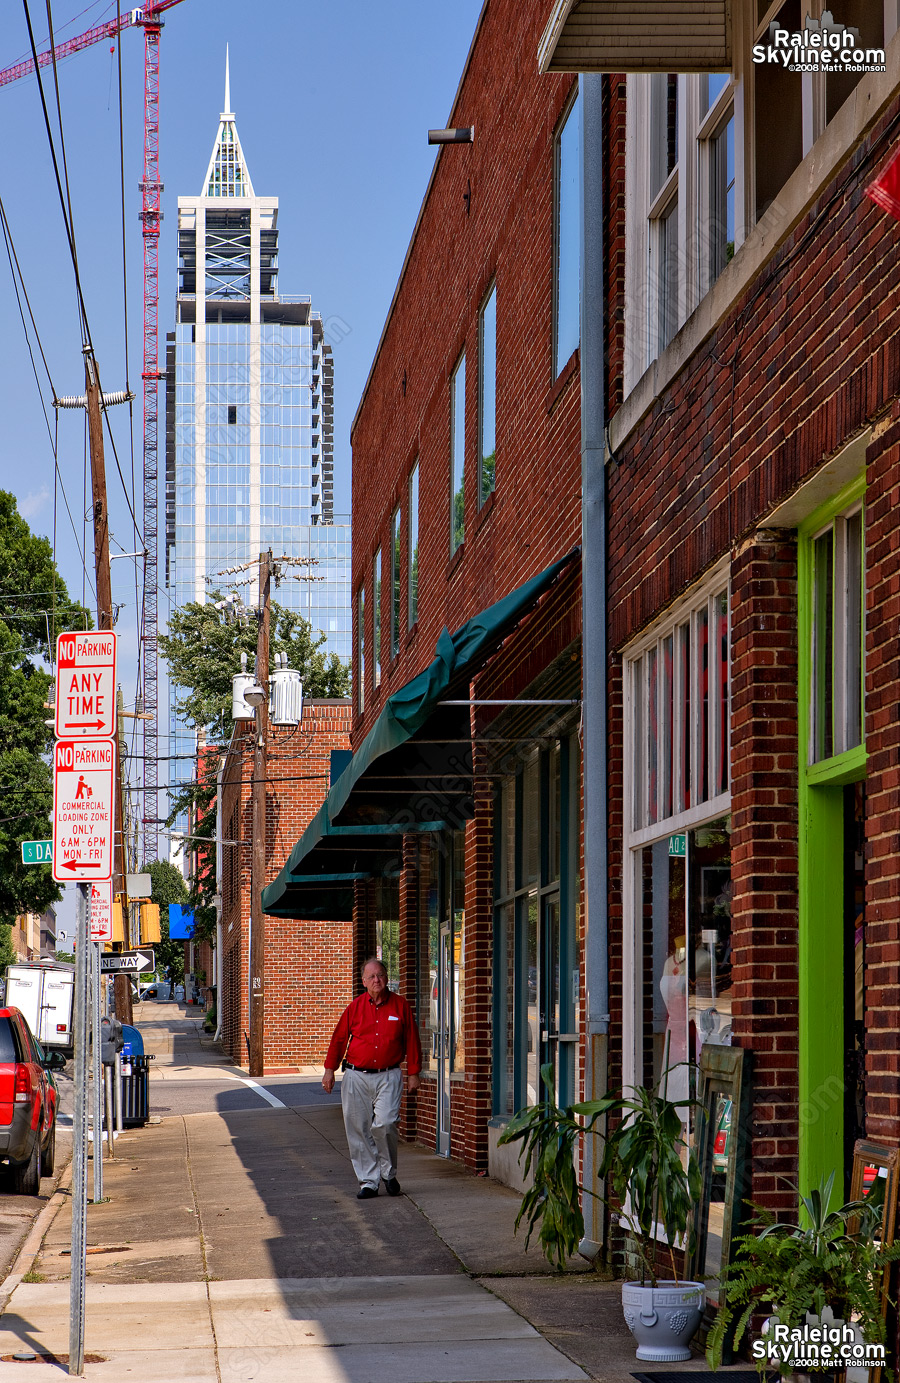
44 991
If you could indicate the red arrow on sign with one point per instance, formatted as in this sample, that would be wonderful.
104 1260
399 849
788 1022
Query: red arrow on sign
75 864
86 724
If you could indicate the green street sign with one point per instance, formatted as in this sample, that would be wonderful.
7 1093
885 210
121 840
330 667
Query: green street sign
678 845
37 851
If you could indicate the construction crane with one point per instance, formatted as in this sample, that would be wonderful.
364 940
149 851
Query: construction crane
148 19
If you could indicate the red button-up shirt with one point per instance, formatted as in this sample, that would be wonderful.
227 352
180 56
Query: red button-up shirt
376 1035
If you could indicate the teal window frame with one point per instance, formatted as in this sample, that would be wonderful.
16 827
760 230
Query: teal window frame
412 552
395 581
548 888
458 455
487 395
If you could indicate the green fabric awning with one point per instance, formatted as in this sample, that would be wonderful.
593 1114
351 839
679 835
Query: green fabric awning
412 774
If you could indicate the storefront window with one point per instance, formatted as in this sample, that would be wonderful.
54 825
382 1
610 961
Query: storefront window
677 880
429 938
685 898
505 1009
458 912
536 976
387 929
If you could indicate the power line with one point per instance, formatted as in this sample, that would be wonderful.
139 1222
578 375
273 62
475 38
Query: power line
62 201
18 279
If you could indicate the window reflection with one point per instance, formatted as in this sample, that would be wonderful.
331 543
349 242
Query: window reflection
685 919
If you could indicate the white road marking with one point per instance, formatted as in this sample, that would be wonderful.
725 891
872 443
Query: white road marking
260 1090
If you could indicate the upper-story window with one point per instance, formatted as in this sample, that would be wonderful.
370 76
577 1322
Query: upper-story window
567 238
487 396
376 619
717 167
412 548
361 649
663 170
702 170
395 582
458 454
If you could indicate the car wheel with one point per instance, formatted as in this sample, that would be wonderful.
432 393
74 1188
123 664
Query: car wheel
26 1178
48 1155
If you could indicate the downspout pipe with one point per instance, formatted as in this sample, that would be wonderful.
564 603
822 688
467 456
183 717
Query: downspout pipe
594 630
220 967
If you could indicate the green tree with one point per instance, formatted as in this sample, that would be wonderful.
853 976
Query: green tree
168 886
7 954
34 607
203 653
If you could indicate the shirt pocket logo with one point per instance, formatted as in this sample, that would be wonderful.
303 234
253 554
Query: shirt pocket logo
393 1018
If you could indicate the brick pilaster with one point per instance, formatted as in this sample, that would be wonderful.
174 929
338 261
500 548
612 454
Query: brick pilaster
764 859
882 728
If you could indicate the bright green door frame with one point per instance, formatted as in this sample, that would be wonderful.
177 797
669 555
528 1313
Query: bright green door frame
821 897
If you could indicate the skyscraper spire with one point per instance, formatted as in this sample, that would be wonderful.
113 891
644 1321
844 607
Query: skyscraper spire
227 174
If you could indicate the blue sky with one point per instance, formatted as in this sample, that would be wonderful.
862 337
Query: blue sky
333 103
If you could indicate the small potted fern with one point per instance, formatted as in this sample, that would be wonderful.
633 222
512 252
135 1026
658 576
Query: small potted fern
829 1267
655 1182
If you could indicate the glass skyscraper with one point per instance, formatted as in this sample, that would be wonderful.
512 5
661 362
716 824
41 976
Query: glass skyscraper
249 411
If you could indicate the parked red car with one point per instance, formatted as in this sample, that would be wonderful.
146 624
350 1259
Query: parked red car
28 1103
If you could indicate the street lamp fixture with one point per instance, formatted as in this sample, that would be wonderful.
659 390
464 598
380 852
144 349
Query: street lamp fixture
254 694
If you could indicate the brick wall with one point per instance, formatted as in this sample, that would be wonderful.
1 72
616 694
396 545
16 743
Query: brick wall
533 516
883 781
308 964
807 358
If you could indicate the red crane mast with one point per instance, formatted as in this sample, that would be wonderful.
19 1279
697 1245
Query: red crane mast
148 18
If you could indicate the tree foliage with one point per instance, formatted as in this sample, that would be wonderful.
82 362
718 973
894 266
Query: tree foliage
203 653
168 886
34 608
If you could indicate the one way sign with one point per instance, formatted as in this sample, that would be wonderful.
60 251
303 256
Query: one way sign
127 962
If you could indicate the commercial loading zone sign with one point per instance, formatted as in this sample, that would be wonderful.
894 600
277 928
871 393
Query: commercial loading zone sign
83 818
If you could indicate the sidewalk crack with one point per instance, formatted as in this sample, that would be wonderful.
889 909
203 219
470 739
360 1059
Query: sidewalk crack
195 1198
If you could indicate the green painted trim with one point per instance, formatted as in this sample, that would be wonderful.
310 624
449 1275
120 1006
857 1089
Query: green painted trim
821 894
827 511
849 767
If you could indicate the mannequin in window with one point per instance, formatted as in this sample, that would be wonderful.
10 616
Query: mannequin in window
673 988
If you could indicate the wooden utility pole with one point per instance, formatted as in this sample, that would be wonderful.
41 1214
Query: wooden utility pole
256 1017
105 621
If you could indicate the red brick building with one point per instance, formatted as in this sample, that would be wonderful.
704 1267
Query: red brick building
730 389
307 963
466 473
753 570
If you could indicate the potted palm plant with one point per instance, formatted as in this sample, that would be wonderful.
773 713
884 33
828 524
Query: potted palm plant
829 1266
654 1181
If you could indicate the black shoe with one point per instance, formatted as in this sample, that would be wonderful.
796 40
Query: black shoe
365 1193
392 1186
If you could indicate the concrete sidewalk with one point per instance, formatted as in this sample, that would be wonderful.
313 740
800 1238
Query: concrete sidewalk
232 1249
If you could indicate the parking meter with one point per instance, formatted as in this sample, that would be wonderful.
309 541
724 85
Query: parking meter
111 1040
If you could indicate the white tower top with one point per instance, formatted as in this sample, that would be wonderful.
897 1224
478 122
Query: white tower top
227 174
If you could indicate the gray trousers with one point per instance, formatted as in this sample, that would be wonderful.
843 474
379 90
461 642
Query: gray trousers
371 1106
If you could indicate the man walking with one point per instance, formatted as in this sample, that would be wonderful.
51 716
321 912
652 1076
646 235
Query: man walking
372 1037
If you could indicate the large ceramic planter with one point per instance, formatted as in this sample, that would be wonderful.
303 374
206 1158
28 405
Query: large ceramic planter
663 1319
